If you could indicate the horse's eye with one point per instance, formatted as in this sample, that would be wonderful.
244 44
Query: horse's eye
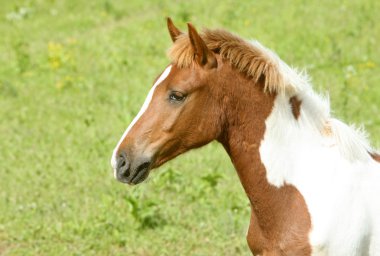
175 96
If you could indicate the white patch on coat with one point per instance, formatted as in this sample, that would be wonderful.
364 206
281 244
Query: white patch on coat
335 174
141 112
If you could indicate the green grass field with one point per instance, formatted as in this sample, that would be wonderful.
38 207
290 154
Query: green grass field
73 74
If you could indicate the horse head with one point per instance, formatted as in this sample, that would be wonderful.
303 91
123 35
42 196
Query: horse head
182 111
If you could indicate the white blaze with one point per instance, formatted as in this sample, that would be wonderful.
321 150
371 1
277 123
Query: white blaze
141 112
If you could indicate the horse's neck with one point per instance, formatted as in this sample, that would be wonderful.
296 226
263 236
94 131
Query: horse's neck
245 131
285 160
270 204
262 133
276 148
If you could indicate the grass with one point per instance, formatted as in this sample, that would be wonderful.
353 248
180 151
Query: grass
73 74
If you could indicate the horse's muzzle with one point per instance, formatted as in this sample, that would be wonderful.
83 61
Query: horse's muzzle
131 172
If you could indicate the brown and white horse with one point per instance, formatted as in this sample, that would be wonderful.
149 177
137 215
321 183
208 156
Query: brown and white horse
313 182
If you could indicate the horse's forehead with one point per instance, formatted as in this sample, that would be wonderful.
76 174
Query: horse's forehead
183 76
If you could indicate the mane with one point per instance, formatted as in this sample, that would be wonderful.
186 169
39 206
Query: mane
256 61
250 58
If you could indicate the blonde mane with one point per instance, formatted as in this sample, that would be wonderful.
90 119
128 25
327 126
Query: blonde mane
250 58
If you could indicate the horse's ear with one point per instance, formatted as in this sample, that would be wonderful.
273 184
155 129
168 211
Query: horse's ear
203 55
173 30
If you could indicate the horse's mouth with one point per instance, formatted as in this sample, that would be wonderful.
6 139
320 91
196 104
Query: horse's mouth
138 176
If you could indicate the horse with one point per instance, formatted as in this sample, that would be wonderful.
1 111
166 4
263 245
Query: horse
313 182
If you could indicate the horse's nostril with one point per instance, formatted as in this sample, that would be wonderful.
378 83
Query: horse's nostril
121 162
123 166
